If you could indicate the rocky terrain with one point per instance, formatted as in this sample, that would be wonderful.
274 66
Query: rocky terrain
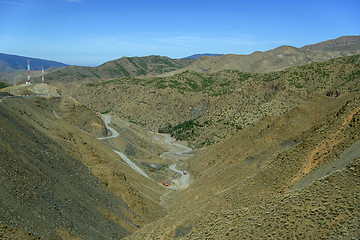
275 155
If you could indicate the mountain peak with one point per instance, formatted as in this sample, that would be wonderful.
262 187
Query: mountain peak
335 44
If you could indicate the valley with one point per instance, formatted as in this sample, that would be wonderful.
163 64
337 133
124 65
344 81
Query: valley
196 149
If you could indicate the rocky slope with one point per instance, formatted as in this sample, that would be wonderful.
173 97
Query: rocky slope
60 182
211 107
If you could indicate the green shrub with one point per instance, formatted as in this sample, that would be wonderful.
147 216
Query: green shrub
3 84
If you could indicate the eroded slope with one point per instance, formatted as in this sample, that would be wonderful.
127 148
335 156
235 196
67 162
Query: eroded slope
57 180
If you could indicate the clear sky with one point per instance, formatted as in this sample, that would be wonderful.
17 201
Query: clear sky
89 32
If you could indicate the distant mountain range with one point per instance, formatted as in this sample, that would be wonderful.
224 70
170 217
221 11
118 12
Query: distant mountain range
278 58
258 62
123 67
196 56
12 67
13 62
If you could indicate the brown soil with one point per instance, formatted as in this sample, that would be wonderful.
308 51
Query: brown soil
320 152
240 189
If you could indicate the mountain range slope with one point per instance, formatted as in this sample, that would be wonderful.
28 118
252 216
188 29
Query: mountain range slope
347 43
277 59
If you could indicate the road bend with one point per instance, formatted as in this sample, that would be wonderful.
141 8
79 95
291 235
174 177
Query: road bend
114 134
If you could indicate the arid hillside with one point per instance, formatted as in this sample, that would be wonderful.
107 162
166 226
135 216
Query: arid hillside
33 89
277 59
59 181
256 184
207 108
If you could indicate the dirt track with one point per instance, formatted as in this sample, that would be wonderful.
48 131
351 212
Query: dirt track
183 181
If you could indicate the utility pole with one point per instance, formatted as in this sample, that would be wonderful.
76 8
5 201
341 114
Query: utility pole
42 75
28 72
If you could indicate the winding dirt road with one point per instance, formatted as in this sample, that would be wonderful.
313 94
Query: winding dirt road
175 149
183 181
176 152
114 134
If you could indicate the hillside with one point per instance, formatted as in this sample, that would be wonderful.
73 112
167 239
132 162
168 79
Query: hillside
123 67
243 187
207 108
59 181
347 43
277 59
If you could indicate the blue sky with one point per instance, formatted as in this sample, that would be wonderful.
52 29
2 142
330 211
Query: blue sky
89 32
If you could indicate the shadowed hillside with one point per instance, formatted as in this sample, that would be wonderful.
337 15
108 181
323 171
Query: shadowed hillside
58 181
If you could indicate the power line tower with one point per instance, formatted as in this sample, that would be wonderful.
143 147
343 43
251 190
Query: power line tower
28 72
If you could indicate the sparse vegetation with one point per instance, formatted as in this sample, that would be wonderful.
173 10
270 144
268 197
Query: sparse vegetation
238 99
